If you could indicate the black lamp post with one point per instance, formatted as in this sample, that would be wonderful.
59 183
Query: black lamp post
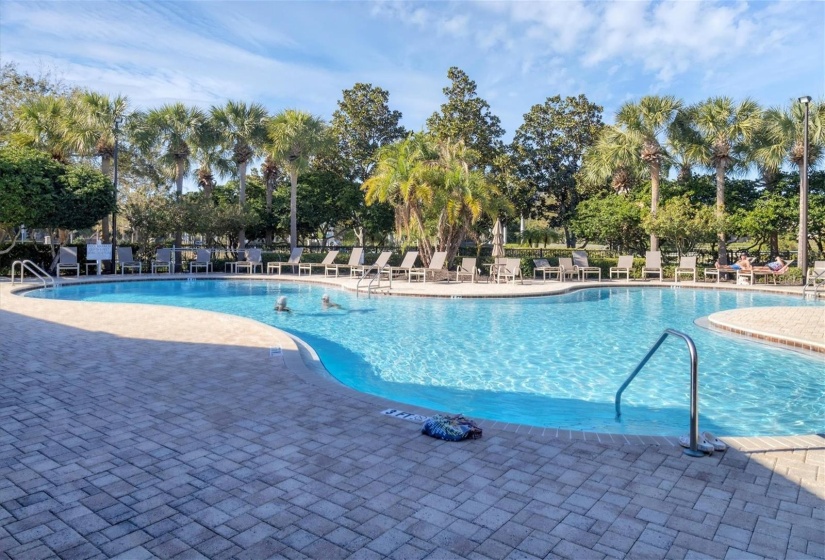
118 121
802 251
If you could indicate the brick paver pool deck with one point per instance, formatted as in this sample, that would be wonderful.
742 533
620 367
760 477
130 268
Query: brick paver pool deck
140 432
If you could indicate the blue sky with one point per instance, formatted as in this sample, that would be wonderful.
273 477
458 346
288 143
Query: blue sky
303 54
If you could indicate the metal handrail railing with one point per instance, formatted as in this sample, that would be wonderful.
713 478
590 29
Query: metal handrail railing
814 281
693 450
38 272
377 277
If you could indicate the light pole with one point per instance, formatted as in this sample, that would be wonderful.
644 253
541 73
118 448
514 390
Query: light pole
802 251
118 121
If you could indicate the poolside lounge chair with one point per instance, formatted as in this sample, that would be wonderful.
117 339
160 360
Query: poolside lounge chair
252 261
436 264
328 260
568 269
406 265
816 274
68 260
687 266
511 269
380 266
721 269
163 260
653 264
202 260
293 262
580 260
624 266
765 271
126 261
497 263
467 269
543 266
354 260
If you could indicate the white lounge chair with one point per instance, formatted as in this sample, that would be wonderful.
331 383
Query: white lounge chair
126 261
380 266
293 262
307 267
406 265
436 264
543 266
163 260
467 269
511 269
653 264
354 260
68 260
568 269
624 266
203 260
816 274
583 266
252 261
687 267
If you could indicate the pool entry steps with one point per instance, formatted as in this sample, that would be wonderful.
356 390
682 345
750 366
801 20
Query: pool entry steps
693 450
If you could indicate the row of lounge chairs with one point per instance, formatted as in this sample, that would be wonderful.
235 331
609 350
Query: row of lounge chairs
503 269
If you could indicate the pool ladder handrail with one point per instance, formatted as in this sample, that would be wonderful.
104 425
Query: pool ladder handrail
377 277
33 268
693 450
813 282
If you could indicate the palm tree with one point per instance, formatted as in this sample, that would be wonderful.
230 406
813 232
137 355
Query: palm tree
436 191
636 140
173 129
294 138
90 130
42 124
724 127
784 138
243 130
271 173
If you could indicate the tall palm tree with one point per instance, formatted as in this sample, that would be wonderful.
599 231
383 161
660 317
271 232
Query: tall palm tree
295 137
724 126
271 173
636 141
91 132
173 129
784 137
243 130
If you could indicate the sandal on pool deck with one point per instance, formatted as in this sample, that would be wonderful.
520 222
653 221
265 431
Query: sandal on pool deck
717 443
704 445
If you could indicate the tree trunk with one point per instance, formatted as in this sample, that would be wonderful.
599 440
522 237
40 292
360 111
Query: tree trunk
655 170
359 235
720 212
268 235
178 233
293 208
106 169
242 202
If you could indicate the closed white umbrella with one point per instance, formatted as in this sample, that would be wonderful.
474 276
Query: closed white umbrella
498 240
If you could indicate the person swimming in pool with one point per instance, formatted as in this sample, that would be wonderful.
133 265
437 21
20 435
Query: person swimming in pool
280 305
327 304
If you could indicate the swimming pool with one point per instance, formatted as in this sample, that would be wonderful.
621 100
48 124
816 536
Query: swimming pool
546 361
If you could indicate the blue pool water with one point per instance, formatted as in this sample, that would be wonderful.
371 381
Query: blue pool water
551 361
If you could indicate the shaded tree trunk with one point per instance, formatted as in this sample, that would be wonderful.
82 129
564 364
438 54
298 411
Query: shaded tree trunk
293 209
655 170
178 233
720 213
242 202
106 169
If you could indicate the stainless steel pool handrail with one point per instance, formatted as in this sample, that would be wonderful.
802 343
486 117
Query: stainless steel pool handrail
38 272
693 450
372 279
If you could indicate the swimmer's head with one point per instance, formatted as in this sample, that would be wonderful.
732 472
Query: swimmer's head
325 297
282 301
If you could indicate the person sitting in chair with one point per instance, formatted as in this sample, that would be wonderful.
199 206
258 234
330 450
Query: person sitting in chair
777 265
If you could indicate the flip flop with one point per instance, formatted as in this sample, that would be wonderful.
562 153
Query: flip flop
717 443
704 445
